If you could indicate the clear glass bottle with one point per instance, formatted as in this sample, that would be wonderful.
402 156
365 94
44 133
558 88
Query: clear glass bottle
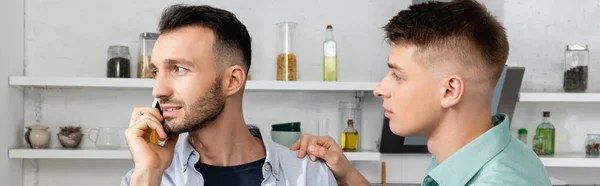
350 138
576 68
147 41
349 110
592 145
118 65
523 135
286 58
546 129
329 56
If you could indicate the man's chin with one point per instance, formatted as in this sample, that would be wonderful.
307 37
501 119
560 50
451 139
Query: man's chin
171 129
403 131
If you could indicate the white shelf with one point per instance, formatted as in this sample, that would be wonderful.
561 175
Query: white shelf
97 82
363 156
573 159
124 154
558 97
68 154
576 159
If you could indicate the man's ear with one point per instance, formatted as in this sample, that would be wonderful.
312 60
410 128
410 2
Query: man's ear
452 91
234 79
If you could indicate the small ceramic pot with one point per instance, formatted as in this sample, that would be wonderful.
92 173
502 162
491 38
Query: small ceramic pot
37 136
70 136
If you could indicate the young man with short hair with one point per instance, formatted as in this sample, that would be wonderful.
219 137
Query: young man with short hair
444 63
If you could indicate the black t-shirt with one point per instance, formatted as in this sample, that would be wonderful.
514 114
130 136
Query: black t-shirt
247 174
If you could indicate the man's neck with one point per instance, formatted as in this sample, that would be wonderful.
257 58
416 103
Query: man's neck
457 129
227 141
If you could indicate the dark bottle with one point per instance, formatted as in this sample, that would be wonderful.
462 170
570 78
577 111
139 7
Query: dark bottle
118 65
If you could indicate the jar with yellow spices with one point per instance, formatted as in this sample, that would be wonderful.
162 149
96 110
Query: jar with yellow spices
286 58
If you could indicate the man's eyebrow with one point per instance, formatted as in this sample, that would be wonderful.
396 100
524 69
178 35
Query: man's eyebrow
182 62
393 66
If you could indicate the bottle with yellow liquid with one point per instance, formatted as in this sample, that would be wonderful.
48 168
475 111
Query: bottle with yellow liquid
350 138
329 56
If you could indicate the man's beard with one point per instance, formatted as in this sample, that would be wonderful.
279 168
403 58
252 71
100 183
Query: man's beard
199 114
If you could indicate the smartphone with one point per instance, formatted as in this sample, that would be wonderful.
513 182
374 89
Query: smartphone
156 105
154 134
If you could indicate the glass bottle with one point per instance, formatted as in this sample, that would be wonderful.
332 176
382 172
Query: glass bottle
350 138
329 56
539 145
592 145
349 110
546 129
523 135
576 68
118 65
147 41
286 58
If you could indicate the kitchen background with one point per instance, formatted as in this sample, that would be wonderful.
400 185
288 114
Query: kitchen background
69 38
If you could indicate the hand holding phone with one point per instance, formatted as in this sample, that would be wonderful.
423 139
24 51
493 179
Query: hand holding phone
150 159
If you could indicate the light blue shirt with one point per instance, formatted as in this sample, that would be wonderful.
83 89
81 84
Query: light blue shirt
282 167
494 158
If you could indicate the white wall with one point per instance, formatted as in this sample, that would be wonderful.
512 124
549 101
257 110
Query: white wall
11 99
76 34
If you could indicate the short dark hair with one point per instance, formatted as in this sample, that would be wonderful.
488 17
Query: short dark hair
232 39
462 28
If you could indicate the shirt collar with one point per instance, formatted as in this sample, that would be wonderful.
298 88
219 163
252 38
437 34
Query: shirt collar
459 168
190 156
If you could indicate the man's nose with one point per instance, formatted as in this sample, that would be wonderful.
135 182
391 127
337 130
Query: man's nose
162 88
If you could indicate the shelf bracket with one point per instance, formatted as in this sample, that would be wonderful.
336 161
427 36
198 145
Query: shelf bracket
36 171
36 94
359 96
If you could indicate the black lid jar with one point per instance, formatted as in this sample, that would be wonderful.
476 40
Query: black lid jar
118 65
576 68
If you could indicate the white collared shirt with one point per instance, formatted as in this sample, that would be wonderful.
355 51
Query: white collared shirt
281 167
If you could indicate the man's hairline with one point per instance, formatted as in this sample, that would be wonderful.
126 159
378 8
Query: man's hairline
423 55
216 45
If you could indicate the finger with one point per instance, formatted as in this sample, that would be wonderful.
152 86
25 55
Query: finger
312 157
326 142
323 153
296 145
139 111
144 125
304 144
161 134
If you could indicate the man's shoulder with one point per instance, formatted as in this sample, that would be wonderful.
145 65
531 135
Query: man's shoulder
515 165
311 172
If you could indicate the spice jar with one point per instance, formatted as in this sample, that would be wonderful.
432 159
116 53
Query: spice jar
523 135
118 65
576 68
286 58
592 145
147 41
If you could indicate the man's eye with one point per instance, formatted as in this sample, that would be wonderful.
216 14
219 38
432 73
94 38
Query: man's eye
396 77
180 71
